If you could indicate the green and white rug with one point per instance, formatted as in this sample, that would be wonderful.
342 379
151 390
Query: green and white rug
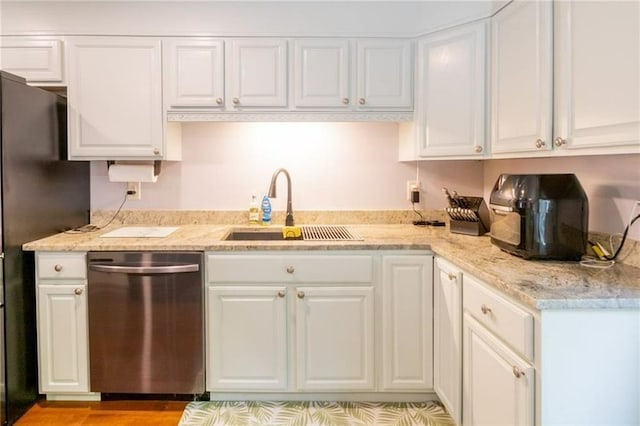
314 413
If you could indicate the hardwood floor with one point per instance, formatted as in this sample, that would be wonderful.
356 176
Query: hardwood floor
112 413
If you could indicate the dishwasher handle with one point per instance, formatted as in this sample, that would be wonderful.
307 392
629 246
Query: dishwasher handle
171 269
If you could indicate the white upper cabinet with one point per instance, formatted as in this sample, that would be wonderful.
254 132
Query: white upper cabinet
39 61
365 75
115 98
451 93
384 74
521 77
194 73
321 73
257 73
566 76
597 75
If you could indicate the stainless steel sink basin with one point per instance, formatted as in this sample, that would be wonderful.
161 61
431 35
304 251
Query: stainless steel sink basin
309 233
256 234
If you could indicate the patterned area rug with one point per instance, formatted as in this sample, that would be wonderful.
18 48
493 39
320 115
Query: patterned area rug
313 413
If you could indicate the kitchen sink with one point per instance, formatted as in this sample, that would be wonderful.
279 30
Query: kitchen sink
256 234
309 233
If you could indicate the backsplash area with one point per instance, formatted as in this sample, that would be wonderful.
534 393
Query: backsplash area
347 167
333 166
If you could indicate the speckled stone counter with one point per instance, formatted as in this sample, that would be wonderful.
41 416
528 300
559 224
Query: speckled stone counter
538 284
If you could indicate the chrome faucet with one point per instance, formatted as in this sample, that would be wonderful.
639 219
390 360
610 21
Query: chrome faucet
272 194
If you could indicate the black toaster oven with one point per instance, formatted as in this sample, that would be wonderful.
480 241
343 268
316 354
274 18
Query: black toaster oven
540 216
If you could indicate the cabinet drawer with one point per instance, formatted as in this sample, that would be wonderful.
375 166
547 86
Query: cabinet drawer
509 322
61 265
289 268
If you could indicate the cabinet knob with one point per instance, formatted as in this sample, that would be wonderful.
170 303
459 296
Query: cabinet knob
361 101
540 143
452 276
477 148
58 268
77 291
559 141
301 295
156 151
219 101
290 269
235 101
517 372
345 101
281 293
485 309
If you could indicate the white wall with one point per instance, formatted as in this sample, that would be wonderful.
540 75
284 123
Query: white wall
334 166
348 166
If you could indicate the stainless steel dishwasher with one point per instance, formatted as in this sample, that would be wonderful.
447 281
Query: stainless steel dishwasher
146 321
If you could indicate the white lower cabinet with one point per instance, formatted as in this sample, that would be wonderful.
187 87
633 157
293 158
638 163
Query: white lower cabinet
319 321
247 331
498 384
498 378
289 322
63 345
447 336
407 315
334 338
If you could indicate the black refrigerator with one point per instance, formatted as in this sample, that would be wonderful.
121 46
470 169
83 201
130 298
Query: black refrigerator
41 194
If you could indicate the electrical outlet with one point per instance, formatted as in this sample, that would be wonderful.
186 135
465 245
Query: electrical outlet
135 187
412 185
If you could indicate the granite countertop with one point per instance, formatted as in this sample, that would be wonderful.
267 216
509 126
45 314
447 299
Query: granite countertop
538 284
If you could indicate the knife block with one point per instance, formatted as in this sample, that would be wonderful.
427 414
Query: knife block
471 220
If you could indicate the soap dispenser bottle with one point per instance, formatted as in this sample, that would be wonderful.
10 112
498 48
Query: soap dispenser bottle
254 211
266 211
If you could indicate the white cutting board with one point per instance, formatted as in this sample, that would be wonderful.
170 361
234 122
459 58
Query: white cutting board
141 232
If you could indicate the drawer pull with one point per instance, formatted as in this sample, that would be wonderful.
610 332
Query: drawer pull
485 309
301 295
361 101
290 269
219 101
517 372
235 101
452 276
77 291
58 268
281 293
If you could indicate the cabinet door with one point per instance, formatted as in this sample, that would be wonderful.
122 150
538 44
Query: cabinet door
334 338
321 73
257 73
385 74
115 98
498 386
521 78
407 313
62 338
452 92
597 75
247 344
37 60
194 74
447 331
